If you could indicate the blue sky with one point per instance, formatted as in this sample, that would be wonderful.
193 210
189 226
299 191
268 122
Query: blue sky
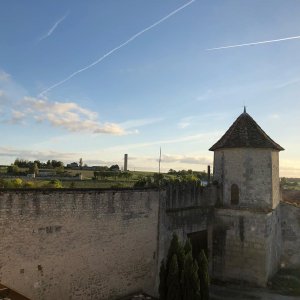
162 88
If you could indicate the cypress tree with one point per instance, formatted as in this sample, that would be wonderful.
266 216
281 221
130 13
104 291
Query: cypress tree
203 274
175 248
190 280
187 247
173 281
162 289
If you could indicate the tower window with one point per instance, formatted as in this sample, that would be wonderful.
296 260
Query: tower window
235 194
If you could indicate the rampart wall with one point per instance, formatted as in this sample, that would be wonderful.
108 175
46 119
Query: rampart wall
290 224
78 244
104 244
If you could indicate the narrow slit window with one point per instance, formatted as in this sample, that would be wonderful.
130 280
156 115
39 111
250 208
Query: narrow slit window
235 194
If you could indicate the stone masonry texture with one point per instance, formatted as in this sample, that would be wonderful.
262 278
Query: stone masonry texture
78 244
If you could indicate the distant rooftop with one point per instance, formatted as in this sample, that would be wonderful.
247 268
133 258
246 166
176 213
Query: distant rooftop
245 133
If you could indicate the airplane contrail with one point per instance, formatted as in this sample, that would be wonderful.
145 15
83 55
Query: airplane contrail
255 43
51 30
116 48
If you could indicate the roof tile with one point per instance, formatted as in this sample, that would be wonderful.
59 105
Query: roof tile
245 133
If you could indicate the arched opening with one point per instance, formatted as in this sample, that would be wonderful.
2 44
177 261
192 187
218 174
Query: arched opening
235 194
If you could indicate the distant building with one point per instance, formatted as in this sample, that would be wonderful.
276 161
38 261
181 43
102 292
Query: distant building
47 173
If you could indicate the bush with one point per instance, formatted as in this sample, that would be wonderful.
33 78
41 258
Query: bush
57 184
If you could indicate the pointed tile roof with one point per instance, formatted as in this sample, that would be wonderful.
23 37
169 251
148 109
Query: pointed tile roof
245 133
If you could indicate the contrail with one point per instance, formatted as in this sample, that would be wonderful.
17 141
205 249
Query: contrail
256 43
51 30
116 48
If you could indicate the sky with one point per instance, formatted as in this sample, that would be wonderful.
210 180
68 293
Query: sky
98 79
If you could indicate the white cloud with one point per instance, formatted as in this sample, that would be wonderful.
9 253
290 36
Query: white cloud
67 115
33 155
17 117
168 158
185 122
140 122
4 76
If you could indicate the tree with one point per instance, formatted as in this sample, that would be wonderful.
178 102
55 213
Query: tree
175 248
203 274
162 289
48 164
34 169
180 277
13 169
80 163
114 168
187 246
190 280
173 281
157 178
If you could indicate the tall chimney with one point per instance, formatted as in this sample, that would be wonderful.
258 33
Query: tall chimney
125 162
208 174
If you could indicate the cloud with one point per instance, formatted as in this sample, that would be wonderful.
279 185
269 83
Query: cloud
255 43
185 122
54 26
18 108
33 155
140 122
167 158
3 98
4 76
195 137
67 115
17 117
43 93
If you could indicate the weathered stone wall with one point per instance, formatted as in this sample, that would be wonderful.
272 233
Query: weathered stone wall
188 195
185 209
290 223
276 194
251 169
243 245
68 244
274 241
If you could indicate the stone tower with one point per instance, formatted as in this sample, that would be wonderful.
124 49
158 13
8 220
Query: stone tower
246 234
246 163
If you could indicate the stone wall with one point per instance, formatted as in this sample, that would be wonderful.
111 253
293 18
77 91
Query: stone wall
244 245
185 209
252 171
276 193
72 244
290 223
188 195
